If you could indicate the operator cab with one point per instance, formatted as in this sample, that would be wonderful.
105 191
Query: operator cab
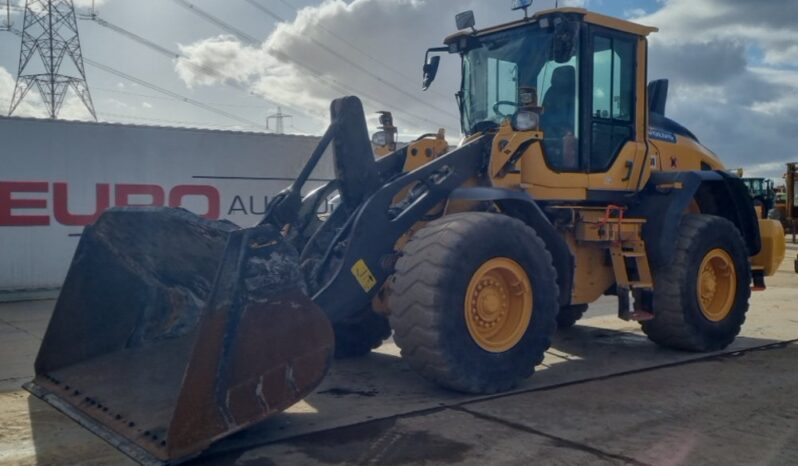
577 77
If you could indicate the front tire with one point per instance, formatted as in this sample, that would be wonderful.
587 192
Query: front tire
474 302
701 298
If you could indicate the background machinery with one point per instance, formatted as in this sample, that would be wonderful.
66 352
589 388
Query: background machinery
785 207
172 332
786 211
763 192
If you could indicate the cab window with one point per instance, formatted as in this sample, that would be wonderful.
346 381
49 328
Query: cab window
613 99
558 84
502 87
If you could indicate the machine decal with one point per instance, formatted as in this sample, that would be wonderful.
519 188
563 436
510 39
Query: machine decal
662 135
363 275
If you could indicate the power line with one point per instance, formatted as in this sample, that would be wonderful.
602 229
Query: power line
173 54
160 89
122 118
329 80
215 20
346 89
350 61
159 97
133 36
164 91
347 42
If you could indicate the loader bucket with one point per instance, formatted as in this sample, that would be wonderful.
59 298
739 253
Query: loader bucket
172 331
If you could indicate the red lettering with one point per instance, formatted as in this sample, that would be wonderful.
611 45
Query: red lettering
124 191
208 192
8 204
61 205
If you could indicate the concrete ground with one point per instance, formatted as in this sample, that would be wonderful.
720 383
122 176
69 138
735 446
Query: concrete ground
603 395
738 409
22 327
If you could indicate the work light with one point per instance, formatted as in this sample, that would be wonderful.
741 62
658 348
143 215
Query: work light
521 4
526 121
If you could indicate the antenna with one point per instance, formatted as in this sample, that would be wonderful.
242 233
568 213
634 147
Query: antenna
522 5
278 117
51 29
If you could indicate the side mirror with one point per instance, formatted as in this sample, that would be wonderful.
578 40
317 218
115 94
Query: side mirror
465 20
430 71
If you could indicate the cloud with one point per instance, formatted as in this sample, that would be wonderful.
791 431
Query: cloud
308 62
219 59
712 62
729 64
769 24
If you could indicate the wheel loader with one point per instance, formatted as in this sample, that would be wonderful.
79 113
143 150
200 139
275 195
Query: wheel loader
570 183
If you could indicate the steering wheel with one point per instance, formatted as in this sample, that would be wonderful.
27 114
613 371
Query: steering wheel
505 102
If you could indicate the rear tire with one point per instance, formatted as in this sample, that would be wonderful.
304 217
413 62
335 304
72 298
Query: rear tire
570 315
693 312
359 335
443 264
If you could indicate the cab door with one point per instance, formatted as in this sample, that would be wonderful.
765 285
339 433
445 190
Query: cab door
616 151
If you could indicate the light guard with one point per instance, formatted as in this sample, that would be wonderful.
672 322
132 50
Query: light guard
521 4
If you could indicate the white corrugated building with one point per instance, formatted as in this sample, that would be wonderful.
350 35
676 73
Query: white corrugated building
57 175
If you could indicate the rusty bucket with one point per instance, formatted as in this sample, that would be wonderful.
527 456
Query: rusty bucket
172 331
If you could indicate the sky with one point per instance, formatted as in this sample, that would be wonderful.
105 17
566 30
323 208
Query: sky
229 64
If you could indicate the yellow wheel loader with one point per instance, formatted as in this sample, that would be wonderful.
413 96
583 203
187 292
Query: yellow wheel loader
172 332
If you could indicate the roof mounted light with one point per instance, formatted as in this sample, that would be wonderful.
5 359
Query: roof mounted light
522 5
465 20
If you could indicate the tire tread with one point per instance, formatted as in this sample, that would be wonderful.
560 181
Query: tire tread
417 294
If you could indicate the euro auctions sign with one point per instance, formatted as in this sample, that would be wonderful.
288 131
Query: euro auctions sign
47 203
58 177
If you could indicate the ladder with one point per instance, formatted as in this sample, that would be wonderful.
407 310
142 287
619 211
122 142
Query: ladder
630 264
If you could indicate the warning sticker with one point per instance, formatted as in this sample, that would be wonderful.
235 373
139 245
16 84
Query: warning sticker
363 275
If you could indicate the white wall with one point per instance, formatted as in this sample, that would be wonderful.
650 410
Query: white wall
50 157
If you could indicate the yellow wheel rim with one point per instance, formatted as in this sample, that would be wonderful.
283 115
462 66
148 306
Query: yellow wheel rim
717 285
498 304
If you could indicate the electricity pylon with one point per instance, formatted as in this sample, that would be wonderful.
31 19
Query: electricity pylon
50 31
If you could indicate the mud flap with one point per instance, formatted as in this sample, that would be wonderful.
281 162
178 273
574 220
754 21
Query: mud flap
172 332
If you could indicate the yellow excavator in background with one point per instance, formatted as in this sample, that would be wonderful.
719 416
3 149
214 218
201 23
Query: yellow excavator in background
172 332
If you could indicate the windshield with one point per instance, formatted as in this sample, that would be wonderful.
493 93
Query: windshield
519 59
755 185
